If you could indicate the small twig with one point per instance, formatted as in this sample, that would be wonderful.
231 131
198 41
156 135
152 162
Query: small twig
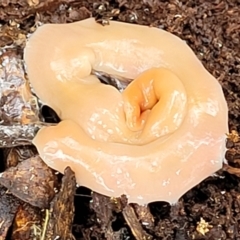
45 225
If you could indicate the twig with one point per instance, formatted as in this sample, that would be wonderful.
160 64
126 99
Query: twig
45 225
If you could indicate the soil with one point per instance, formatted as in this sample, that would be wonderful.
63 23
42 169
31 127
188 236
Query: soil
211 210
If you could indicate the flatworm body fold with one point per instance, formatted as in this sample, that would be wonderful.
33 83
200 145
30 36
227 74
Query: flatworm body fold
157 139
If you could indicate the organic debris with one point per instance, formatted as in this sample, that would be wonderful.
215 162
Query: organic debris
8 208
59 219
12 156
31 181
203 226
27 223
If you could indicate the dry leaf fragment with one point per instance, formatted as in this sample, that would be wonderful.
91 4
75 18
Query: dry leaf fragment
17 104
233 136
12 156
31 181
203 226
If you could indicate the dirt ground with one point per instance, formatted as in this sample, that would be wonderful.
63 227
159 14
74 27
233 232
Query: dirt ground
211 210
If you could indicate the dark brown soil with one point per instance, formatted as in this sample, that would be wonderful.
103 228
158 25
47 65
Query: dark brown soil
211 210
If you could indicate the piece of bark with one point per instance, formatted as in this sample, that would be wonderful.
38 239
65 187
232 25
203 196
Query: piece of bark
59 219
102 206
27 223
134 224
8 208
31 181
144 215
